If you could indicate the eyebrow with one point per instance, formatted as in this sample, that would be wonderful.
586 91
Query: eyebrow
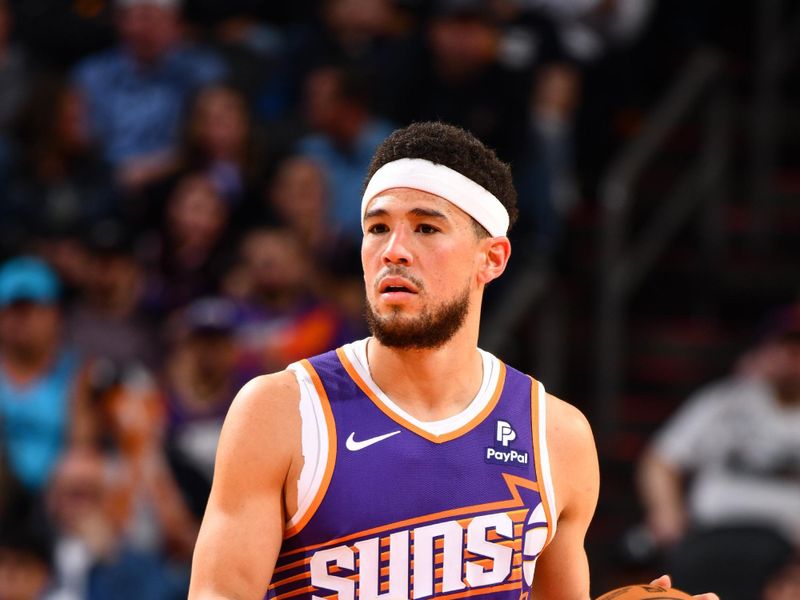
427 212
418 212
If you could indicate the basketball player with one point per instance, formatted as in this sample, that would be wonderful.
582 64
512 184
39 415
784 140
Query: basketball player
410 464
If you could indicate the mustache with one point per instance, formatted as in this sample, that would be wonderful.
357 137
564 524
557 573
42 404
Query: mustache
397 271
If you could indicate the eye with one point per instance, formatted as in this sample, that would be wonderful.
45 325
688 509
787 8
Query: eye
377 228
427 229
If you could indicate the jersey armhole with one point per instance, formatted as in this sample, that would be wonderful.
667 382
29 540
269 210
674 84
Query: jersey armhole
318 438
542 457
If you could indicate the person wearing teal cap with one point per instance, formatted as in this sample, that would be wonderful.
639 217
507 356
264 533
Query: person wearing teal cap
42 387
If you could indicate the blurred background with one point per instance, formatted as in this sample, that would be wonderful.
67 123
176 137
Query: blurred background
179 183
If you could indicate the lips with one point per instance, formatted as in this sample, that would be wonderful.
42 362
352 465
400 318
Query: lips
394 284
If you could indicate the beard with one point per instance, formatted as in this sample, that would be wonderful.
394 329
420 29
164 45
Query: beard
431 329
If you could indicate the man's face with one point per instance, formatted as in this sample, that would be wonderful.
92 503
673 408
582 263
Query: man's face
212 353
276 263
77 491
421 259
148 30
323 101
28 328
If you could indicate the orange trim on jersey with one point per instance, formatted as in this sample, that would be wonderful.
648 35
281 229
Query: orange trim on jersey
513 583
537 459
482 591
326 477
292 565
438 439
512 481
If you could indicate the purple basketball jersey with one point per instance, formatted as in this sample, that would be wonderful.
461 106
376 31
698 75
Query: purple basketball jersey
403 513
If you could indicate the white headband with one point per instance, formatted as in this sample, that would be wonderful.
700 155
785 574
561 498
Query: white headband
423 175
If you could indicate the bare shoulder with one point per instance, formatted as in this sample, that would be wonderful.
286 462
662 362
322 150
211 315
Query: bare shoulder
567 426
573 456
264 400
262 426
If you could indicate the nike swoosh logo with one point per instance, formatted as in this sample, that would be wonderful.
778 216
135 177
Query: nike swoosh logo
355 446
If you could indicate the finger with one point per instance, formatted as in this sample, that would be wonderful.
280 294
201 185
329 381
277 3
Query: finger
706 597
663 581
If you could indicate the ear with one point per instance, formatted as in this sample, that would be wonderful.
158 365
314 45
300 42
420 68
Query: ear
494 255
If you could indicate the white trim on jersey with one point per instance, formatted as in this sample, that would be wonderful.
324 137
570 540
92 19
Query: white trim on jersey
544 458
314 443
357 353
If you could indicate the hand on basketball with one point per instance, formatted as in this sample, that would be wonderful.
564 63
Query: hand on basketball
666 581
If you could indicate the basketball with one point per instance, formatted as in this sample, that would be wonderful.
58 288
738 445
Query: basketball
645 592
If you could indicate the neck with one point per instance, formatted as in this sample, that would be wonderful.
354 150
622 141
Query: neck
414 378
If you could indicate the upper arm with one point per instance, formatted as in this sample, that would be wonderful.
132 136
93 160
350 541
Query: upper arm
562 570
242 529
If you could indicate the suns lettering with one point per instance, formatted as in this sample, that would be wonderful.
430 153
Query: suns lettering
369 567
501 555
432 556
453 557
340 557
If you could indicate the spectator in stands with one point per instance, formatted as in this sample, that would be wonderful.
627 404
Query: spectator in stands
455 72
739 440
155 516
284 316
298 196
222 140
201 376
355 33
25 559
106 321
246 37
58 184
43 392
88 502
138 91
186 259
345 134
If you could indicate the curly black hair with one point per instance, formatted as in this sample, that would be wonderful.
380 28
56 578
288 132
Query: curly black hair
455 148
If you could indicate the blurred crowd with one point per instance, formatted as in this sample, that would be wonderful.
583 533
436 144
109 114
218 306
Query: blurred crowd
179 184
720 482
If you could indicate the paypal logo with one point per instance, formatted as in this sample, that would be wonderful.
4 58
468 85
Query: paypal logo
500 453
505 433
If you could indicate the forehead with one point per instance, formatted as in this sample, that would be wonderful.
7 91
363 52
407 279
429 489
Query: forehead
401 201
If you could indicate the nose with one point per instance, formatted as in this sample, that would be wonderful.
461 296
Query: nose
396 251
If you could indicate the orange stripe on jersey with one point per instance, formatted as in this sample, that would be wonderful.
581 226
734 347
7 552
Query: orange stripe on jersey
298 592
482 591
292 579
438 439
512 481
326 478
537 458
292 565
